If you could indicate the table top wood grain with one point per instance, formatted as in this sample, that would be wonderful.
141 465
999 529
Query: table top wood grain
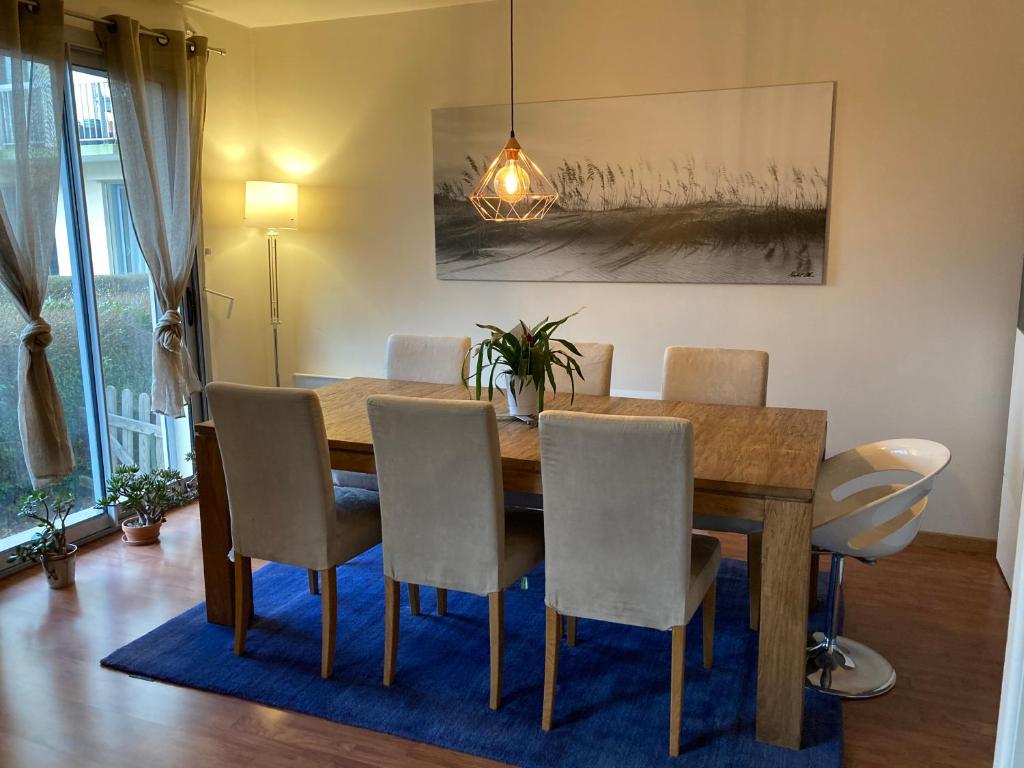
755 452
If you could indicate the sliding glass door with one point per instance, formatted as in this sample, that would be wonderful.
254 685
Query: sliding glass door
102 308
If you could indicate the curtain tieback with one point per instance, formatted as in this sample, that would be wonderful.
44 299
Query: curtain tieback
169 330
36 335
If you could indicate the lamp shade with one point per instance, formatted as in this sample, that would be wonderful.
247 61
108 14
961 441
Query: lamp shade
271 205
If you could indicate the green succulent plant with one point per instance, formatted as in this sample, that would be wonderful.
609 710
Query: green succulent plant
50 515
145 494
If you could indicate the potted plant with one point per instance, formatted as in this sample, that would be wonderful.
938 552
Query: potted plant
523 360
190 485
49 546
144 497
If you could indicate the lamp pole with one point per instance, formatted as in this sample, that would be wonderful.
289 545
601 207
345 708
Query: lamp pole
275 316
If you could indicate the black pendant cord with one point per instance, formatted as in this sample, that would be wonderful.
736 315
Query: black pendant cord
511 66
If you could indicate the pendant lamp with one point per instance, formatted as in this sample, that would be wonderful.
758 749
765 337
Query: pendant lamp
513 188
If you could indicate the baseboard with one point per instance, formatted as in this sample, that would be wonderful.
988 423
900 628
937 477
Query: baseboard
955 543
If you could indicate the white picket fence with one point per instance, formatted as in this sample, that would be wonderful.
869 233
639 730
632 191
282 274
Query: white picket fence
136 436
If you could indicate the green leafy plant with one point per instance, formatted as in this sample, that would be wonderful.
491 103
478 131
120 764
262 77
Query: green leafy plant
50 516
147 495
526 353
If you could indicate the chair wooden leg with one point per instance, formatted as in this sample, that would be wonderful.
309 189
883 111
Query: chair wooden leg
442 602
812 594
552 638
314 583
570 631
414 599
676 706
328 620
709 625
754 578
496 614
243 599
391 618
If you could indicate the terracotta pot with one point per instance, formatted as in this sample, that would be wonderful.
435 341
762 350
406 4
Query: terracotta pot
140 535
60 569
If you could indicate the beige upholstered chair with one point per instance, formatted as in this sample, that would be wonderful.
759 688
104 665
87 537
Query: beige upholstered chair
596 363
722 377
427 359
283 505
443 515
618 502
867 505
430 359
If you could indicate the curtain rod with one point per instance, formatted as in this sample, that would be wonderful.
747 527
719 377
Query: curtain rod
34 4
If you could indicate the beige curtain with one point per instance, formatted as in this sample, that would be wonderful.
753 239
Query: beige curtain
158 90
31 121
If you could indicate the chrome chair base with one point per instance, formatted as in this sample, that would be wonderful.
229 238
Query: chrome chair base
850 671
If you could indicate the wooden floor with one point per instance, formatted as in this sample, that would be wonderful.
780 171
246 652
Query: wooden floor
939 616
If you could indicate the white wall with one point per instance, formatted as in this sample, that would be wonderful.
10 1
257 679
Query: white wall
913 333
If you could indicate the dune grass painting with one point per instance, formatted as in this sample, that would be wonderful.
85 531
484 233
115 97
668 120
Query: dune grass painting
725 186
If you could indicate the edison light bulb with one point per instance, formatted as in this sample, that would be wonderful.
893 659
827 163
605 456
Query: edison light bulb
511 182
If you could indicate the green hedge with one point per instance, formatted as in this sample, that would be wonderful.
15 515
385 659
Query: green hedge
125 321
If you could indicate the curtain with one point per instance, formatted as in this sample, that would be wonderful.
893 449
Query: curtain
31 123
158 91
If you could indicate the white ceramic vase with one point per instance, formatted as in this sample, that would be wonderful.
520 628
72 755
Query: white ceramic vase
523 400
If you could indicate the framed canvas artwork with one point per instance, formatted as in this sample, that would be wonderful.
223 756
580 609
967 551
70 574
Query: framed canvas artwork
725 186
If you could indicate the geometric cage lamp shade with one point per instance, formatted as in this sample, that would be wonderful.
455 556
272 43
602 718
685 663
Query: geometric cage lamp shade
513 188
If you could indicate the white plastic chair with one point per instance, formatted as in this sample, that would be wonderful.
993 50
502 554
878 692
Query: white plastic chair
868 505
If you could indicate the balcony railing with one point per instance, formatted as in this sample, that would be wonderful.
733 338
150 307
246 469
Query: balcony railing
92 108
94 112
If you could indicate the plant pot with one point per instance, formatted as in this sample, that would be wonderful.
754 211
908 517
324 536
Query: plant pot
523 398
60 569
140 535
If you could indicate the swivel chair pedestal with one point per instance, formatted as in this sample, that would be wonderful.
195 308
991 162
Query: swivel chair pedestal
840 666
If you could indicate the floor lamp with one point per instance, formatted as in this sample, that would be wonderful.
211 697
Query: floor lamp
272 206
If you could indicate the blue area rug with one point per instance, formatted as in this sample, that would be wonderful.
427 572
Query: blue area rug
612 701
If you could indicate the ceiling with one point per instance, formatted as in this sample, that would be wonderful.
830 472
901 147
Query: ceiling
272 13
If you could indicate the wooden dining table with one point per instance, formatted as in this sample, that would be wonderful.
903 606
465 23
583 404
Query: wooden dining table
757 464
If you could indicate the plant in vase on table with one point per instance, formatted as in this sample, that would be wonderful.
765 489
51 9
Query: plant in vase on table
523 361
49 545
144 496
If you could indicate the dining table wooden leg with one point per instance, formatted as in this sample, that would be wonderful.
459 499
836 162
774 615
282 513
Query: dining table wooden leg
754 578
215 530
785 574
